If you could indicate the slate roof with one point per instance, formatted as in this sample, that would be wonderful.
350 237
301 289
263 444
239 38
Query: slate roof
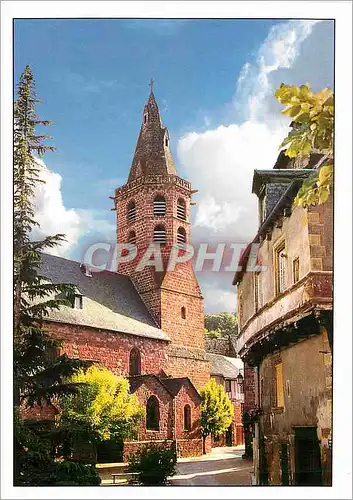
285 176
110 300
225 366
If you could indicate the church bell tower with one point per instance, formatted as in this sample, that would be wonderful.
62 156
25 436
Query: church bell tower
154 207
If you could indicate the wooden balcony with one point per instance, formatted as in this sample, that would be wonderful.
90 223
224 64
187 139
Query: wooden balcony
312 293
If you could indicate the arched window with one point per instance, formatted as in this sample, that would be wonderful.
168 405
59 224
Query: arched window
181 209
183 313
159 235
131 238
181 236
152 414
187 418
166 141
159 206
131 211
134 362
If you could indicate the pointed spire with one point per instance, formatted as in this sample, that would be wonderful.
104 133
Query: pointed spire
152 153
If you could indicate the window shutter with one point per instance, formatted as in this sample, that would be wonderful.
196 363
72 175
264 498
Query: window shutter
279 386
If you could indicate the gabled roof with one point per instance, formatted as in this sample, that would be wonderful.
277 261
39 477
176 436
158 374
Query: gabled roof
175 384
172 385
137 380
110 300
225 366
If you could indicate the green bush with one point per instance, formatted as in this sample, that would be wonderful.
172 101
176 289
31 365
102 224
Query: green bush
72 473
36 463
153 464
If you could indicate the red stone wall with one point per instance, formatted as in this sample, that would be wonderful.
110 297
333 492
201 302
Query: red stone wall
151 387
187 396
197 370
185 447
111 349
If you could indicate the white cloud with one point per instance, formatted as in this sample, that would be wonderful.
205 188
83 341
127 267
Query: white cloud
218 299
220 161
54 218
51 214
220 164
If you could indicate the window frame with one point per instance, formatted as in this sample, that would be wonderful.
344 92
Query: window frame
156 208
131 211
134 362
181 209
181 236
77 297
279 248
155 427
187 418
258 292
160 242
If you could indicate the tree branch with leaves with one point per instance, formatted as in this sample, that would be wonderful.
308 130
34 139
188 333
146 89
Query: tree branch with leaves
312 132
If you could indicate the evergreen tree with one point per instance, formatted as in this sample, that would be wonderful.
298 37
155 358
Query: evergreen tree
38 376
216 410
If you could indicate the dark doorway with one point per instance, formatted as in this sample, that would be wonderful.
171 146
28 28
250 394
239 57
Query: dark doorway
307 457
284 459
229 436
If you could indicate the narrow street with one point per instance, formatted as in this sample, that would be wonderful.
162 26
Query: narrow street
223 467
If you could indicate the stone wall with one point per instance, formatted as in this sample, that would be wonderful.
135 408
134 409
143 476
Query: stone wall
111 349
307 384
185 447
221 345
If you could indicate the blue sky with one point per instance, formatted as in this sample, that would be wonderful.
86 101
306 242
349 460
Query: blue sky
214 82
93 76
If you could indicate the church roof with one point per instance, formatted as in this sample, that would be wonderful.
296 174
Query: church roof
172 385
224 366
175 384
152 153
110 300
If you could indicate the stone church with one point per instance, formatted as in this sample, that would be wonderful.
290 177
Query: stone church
144 324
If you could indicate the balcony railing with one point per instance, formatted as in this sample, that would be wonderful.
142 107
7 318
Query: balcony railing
314 290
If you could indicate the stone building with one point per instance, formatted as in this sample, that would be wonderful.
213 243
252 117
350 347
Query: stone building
285 341
142 322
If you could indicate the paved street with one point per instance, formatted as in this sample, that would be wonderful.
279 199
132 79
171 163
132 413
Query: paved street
223 467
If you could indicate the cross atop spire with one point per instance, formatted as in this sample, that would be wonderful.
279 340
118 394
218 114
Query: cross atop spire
151 84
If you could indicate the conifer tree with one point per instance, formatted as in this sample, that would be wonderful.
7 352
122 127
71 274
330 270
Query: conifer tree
38 376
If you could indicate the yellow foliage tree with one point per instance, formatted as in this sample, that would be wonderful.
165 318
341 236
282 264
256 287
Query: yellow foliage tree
102 405
216 410
313 128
